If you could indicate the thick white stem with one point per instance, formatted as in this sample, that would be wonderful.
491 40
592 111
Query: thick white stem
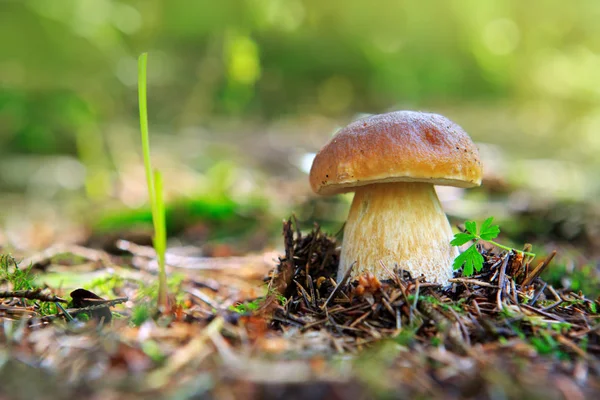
402 225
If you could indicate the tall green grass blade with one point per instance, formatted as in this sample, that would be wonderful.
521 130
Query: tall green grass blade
142 68
160 241
155 189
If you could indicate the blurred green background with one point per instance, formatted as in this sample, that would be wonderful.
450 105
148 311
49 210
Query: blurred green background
241 93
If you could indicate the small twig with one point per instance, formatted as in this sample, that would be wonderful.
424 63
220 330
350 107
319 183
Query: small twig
555 293
463 328
311 287
326 258
202 297
35 294
476 306
416 300
515 297
75 311
472 281
502 276
100 304
392 275
289 320
360 319
553 305
310 251
307 299
538 270
398 319
501 282
388 307
543 313
335 325
338 286
537 294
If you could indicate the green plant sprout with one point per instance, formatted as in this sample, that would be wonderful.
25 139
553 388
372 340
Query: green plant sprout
471 258
243 308
23 279
249 306
20 279
155 189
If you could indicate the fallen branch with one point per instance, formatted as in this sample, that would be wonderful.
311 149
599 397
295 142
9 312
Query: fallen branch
35 294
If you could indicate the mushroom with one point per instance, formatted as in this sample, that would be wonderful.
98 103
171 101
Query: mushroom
392 162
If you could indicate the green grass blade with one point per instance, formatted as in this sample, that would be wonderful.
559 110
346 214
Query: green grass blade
142 68
155 189
160 241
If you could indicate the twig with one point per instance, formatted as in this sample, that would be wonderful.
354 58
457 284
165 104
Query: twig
543 313
338 286
202 297
538 293
75 311
310 252
464 330
392 275
307 299
501 282
360 319
416 300
35 294
472 281
538 270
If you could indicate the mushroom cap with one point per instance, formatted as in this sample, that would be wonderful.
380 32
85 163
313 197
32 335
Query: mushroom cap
400 146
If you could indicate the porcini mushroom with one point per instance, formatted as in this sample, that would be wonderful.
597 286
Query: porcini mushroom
392 162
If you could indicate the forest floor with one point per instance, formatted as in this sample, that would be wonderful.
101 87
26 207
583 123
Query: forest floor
271 325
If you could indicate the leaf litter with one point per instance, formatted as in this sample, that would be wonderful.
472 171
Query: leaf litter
502 332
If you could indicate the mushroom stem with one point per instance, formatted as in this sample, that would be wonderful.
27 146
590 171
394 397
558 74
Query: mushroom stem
401 224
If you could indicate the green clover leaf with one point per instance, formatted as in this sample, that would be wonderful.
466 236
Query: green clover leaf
462 238
471 259
489 231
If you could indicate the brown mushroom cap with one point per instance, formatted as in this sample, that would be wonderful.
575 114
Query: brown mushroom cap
401 146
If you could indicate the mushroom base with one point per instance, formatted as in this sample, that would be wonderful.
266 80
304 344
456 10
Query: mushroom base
403 226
